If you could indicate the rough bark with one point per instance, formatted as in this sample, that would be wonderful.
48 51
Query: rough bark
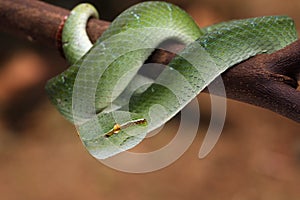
268 80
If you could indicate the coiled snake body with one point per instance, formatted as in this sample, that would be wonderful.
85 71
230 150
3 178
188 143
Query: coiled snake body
113 106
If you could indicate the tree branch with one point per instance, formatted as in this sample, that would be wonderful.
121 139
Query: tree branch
268 80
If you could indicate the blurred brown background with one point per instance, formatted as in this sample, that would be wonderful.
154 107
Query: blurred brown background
41 156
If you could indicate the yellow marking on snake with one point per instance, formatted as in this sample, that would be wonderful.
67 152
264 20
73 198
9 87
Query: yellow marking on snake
117 127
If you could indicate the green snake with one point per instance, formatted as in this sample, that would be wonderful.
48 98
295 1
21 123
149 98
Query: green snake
112 105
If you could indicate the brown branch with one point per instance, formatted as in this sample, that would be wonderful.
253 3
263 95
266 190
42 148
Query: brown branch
268 81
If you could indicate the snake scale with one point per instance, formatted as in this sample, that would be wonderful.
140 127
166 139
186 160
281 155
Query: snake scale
112 105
